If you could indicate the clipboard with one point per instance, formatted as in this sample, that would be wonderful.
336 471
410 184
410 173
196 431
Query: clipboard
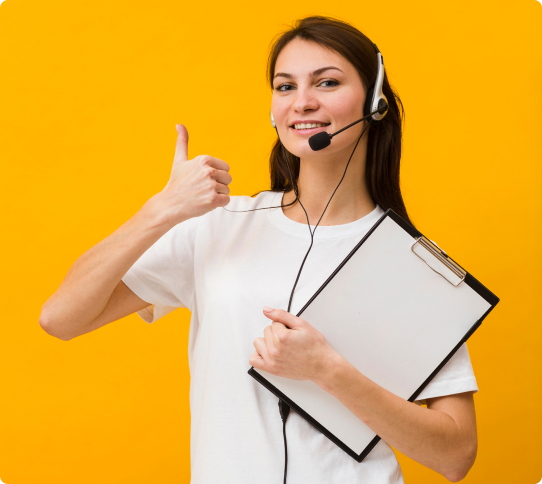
397 308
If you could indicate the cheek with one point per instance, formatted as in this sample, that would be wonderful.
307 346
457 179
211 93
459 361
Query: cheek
279 110
348 109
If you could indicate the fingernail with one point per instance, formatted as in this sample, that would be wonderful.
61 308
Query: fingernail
177 127
267 309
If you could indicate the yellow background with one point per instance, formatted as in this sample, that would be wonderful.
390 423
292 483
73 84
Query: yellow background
90 93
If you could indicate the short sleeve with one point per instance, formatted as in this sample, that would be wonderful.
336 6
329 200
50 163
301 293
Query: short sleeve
164 274
456 376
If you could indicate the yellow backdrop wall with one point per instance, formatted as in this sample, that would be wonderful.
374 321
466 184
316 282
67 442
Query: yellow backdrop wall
90 93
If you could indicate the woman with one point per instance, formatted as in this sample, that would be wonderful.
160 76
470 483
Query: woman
182 250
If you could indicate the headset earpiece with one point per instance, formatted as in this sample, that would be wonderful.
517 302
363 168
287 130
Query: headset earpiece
272 120
375 97
368 101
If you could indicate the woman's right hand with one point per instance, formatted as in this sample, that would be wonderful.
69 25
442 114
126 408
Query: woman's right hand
195 186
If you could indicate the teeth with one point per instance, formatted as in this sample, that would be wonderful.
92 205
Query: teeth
308 125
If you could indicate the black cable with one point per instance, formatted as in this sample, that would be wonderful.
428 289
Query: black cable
283 406
261 208
329 201
294 185
293 181
284 410
285 450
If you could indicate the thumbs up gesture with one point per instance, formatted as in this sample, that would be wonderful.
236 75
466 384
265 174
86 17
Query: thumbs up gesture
195 186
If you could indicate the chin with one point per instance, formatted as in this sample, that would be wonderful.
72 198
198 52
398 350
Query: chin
338 147
303 153
301 149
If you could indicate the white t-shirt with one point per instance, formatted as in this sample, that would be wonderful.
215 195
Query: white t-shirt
225 267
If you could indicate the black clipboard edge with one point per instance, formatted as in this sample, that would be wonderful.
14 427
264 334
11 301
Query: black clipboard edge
273 389
469 333
469 278
346 259
370 446
485 293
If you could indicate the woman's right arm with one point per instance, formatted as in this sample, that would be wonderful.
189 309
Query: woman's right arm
92 293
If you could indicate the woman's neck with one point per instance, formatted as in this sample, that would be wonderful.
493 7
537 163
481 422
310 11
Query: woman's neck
317 181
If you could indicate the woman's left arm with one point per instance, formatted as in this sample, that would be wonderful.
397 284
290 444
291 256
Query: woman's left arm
442 436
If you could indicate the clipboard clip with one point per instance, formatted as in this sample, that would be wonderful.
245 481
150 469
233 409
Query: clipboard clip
456 271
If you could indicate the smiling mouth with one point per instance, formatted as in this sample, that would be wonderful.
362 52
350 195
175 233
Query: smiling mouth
302 126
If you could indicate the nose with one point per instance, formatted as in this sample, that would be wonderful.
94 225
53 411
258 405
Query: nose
304 101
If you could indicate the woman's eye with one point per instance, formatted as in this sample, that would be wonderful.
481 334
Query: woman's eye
288 87
283 87
333 83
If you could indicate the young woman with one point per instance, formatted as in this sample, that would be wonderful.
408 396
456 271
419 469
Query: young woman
182 249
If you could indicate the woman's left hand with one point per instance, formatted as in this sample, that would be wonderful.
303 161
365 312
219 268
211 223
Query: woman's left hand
292 348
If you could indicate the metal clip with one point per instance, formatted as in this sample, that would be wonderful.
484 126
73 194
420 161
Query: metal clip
437 252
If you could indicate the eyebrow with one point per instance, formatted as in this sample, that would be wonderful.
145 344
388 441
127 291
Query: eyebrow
317 72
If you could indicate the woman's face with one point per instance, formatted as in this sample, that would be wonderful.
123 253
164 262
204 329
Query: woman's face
314 85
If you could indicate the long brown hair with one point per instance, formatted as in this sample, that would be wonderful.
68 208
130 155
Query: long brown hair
384 143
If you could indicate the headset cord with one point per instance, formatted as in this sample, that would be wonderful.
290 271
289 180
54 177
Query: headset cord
321 216
284 408
261 208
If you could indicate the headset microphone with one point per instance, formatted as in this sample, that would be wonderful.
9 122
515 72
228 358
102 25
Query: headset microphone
376 107
323 139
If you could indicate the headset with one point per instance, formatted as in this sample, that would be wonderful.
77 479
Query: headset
375 100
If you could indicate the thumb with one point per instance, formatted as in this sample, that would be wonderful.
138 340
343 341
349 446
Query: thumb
181 149
283 317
